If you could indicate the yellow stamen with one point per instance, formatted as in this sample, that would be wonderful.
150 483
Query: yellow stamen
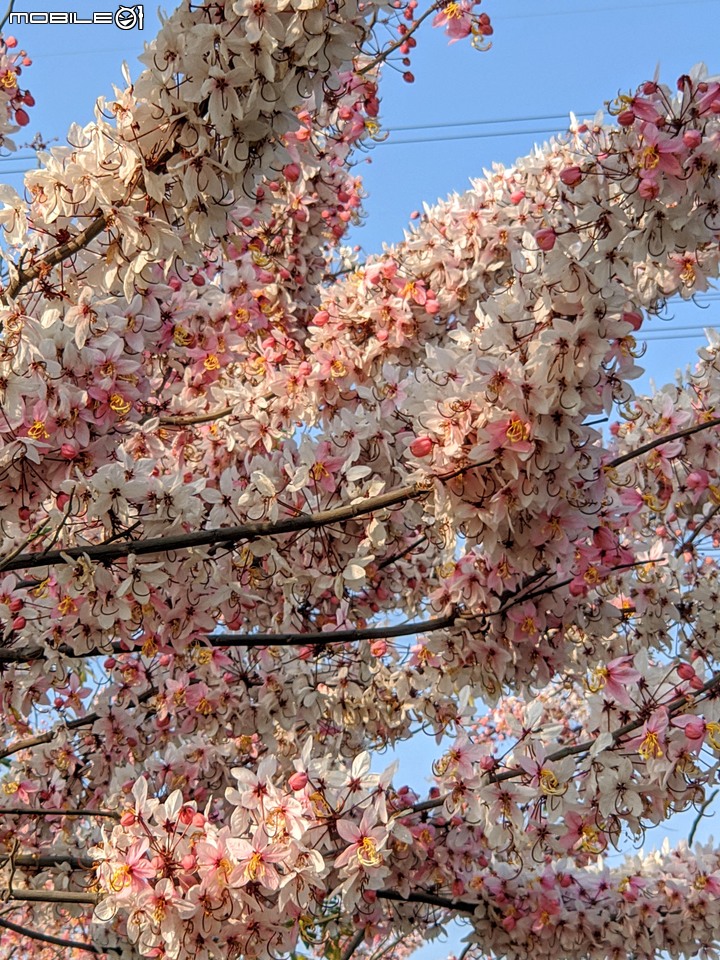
650 748
367 853
120 405
253 866
517 431
182 337
550 785
37 431
650 158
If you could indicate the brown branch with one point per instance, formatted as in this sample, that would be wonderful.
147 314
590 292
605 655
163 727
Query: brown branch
72 725
56 941
681 548
43 861
384 54
49 896
429 899
55 256
356 941
52 812
251 640
187 421
667 438
403 553
701 814
673 708
221 536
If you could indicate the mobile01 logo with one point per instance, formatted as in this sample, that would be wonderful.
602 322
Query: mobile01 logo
125 18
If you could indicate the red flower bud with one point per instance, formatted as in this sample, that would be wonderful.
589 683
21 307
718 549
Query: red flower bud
421 446
545 238
571 176
298 781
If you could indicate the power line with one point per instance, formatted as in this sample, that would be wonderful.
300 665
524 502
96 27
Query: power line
574 11
478 123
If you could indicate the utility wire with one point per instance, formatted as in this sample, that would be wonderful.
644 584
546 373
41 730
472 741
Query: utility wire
477 123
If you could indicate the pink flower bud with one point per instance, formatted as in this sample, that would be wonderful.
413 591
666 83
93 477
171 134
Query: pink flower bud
16 605
571 176
188 863
198 280
63 499
695 730
10 42
421 446
692 139
545 238
634 318
517 197
298 781
291 172
69 451
19 623
626 118
21 117
648 189
378 648
128 819
685 671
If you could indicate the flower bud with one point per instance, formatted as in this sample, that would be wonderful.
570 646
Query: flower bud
421 446
298 781
545 238
378 648
571 176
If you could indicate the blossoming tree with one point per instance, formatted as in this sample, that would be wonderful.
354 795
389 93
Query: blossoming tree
266 512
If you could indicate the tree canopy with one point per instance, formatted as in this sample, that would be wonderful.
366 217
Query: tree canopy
267 511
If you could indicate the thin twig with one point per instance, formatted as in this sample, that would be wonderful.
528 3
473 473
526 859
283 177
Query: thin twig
6 16
701 814
693 536
384 54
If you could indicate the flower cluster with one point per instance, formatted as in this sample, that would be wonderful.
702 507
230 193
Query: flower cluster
231 454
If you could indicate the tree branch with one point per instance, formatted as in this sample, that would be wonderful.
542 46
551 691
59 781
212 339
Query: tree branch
56 941
353 945
55 256
52 812
187 421
667 438
251 640
222 536
429 899
701 814
72 725
43 861
49 896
